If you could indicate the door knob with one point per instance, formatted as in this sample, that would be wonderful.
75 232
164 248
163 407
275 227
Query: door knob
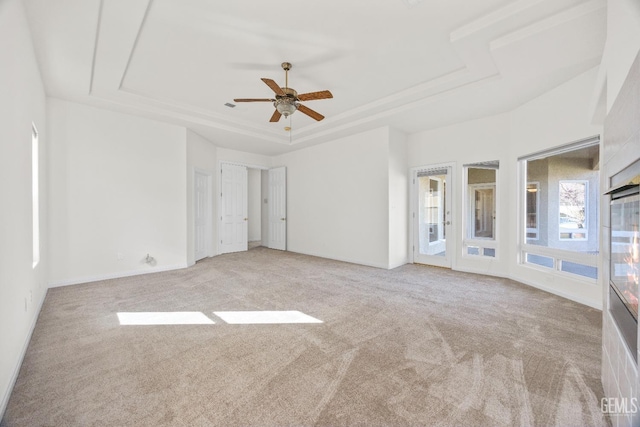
448 223
283 219
246 219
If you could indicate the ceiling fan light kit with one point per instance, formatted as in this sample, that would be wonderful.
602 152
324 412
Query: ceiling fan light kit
287 100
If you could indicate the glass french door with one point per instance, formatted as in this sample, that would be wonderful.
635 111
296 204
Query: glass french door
432 216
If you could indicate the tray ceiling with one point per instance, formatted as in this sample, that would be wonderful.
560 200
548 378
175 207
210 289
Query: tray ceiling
387 62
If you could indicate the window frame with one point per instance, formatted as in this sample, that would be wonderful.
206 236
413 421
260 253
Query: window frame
557 256
471 226
480 247
535 230
584 230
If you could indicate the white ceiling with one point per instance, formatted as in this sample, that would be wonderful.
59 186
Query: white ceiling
386 62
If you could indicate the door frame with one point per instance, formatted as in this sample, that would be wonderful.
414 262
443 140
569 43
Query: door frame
218 207
209 209
452 240
283 215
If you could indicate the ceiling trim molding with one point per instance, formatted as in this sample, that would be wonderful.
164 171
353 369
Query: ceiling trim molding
187 118
96 40
179 108
548 23
493 18
336 128
135 43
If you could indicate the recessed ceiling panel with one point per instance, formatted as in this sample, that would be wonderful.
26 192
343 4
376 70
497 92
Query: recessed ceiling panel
202 54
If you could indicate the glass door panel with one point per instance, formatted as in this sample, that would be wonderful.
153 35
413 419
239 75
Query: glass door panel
432 217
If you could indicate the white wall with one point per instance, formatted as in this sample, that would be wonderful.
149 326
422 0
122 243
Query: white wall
398 199
201 155
21 103
558 117
254 194
337 199
118 190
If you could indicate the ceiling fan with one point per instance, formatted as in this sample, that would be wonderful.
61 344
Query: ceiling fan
287 100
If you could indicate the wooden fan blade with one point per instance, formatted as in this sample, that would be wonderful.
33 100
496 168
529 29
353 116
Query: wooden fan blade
311 96
276 116
253 100
309 112
274 86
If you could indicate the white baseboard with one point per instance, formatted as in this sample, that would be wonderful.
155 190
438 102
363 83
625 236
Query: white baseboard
350 261
397 264
584 301
14 376
119 275
588 302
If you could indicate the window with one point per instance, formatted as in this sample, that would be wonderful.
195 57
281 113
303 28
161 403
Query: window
532 208
35 195
481 209
559 223
572 207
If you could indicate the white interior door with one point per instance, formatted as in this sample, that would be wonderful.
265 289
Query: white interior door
202 214
233 208
432 240
278 208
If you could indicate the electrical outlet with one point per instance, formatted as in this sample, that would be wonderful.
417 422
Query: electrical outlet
119 256
25 303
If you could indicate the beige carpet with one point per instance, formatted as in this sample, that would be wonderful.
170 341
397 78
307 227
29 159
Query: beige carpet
410 346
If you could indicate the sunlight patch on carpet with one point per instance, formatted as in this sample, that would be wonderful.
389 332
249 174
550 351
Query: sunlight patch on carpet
265 317
164 318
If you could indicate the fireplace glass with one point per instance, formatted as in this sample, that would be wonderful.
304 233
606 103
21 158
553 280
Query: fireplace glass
625 250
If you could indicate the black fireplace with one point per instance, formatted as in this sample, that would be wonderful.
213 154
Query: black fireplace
624 265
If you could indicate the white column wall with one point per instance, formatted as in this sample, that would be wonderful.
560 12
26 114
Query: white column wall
398 199
22 287
118 192
201 155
